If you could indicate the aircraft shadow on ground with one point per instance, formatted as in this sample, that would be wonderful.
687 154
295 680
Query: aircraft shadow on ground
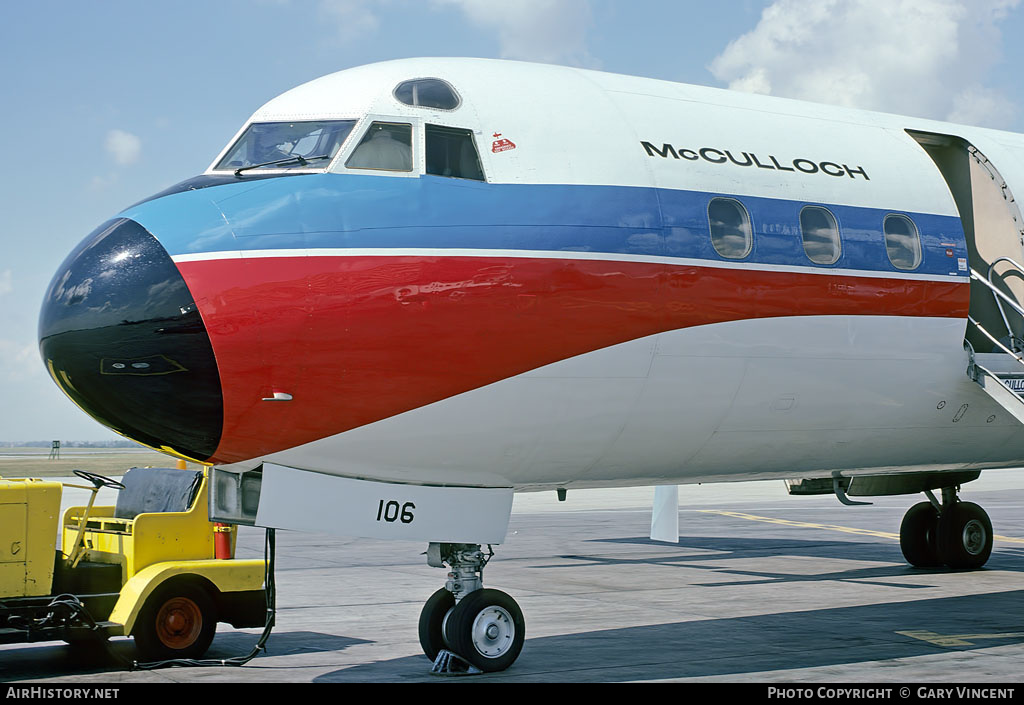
744 645
228 644
49 659
715 553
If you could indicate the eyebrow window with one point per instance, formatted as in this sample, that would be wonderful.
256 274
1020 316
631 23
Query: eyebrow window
731 233
820 234
902 241
428 93
452 152
386 146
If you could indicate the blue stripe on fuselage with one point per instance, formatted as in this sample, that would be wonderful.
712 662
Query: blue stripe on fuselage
357 211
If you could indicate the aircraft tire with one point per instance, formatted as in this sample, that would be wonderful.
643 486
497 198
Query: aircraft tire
965 536
919 536
178 621
432 621
487 629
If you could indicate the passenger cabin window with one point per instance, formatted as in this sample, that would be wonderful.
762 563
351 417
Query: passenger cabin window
287 145
902 241
452 152
820 235
730 228
428 93
386 146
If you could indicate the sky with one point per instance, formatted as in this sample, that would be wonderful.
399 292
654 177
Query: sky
108 102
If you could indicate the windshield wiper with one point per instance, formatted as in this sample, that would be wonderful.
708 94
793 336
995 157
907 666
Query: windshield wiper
303 161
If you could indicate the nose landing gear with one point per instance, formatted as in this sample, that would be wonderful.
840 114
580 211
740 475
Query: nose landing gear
487 629
482 626
953 533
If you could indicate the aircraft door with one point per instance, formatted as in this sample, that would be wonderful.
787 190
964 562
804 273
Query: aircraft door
995 240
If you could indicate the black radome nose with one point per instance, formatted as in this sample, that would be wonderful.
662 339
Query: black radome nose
120 334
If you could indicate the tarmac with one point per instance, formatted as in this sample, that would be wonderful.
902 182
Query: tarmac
762 587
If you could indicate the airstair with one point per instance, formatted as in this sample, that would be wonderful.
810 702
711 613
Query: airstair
1000 373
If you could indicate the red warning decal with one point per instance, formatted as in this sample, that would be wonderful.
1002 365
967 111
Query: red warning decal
501 145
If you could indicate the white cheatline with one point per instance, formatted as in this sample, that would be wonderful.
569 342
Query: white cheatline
553 254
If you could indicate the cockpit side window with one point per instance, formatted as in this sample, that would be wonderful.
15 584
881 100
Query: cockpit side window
307 144
452 152
386 146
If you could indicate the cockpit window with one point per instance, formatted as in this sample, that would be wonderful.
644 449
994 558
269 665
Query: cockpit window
428 93
386 146
287 145
451 152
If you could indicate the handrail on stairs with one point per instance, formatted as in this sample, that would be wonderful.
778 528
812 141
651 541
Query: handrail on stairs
999 294
1015 355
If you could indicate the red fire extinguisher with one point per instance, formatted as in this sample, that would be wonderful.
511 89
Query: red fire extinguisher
221 532
222 541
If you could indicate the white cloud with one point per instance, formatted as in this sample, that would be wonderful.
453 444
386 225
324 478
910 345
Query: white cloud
915 57
100 182
547 31
352 19
6 286
19 360
977 105
123 147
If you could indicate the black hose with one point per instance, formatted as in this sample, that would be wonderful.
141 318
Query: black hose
61 610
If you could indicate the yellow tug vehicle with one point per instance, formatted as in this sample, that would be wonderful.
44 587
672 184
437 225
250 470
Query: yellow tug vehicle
152 566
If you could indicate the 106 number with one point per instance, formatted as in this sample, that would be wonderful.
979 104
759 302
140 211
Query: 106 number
392 511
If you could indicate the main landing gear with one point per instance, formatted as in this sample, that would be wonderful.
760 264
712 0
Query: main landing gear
953 533
483 627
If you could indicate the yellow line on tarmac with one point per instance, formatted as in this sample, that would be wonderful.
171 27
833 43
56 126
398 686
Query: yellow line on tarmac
1007 539
956 639
828 527
803 524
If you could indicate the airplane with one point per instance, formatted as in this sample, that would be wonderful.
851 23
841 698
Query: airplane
404 291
